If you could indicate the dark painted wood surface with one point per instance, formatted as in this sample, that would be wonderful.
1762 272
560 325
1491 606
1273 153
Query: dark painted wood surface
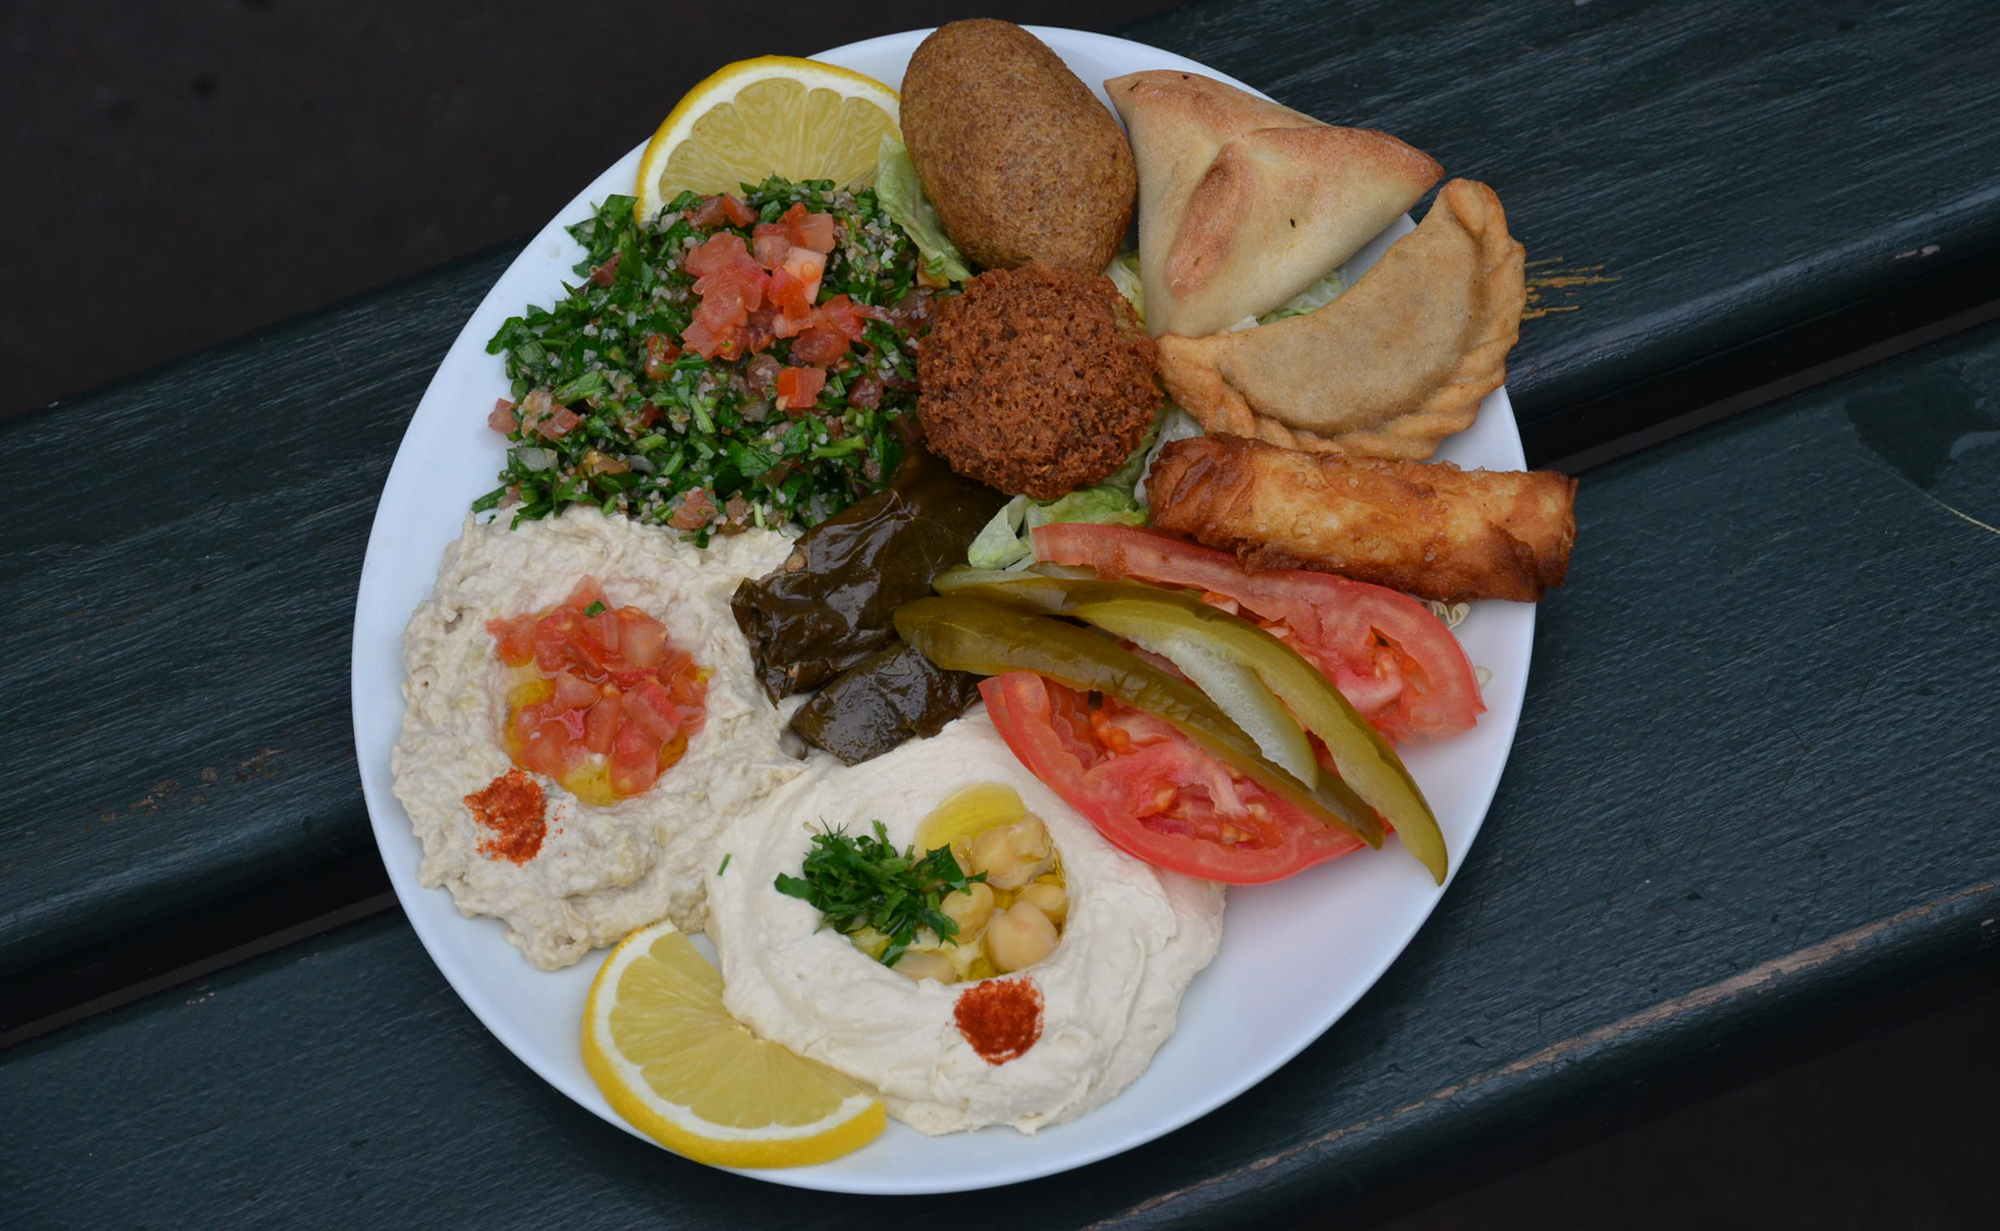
1754 779
1728 170
189 575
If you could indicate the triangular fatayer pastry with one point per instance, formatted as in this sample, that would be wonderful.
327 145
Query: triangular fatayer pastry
1244 203
1398 362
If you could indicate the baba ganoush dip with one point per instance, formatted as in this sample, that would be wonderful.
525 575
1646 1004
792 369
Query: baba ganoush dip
1109 993
597 871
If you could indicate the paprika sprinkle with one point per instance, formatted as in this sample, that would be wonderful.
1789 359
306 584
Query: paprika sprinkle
1001 1018
513 807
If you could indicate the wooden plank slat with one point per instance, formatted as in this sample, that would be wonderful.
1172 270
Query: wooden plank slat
188 581
1754 777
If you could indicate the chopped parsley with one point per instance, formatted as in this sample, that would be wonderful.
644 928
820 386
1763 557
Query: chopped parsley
594 610
861 882
691 442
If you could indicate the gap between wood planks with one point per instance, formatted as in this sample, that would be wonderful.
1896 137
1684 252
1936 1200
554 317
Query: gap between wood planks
1802 356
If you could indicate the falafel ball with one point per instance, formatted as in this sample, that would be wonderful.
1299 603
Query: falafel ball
1037 380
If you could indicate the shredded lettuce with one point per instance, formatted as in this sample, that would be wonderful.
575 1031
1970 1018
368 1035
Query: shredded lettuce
1318 295
901 195
1124 274
1173 424
1007 542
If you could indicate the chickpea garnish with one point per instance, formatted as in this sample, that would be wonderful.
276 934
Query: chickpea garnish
1049 898
1019 937
1013 855
969 908
919 964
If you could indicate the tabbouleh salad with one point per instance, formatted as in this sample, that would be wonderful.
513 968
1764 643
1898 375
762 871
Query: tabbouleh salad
692 397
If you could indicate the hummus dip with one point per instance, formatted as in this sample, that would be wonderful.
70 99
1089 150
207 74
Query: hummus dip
1111 990
600 871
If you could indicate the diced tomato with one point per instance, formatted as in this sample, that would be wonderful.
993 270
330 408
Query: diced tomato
635 761
590 659
601 630
708 213
807 266
791 296
585 592
865 392
814 231
798 388
716 253
602 724
850 318
1395 661
514 639
548 747
731 286
738 213
732 291
771 242
697 507
642 639
821 346
651 708
607 273
759 331
573 692
710 340
660 355
1150 791
558 423
552 635
688 693
502 418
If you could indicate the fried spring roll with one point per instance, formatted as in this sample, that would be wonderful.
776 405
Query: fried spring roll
1427 528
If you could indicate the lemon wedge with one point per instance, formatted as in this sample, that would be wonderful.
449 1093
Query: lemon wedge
675 1064
775 115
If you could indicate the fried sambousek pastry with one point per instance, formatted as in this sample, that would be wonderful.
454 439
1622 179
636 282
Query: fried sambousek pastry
1398 362
1244 203
1426 528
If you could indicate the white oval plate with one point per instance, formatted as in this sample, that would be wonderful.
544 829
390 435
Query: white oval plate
1256 1007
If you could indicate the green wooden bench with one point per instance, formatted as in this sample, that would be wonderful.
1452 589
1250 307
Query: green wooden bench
1753 780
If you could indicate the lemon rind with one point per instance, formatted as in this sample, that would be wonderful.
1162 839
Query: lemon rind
724 85
859 1119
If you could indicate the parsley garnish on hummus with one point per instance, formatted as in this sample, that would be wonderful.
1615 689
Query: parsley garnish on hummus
861 882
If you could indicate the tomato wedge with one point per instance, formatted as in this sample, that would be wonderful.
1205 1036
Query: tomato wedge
1386 653
1150 791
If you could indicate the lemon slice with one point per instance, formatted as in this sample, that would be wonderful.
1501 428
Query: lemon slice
775 115
675 1064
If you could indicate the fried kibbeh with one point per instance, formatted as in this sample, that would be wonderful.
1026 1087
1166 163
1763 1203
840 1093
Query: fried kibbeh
1398 362
1426 528
1021 160
1036 380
